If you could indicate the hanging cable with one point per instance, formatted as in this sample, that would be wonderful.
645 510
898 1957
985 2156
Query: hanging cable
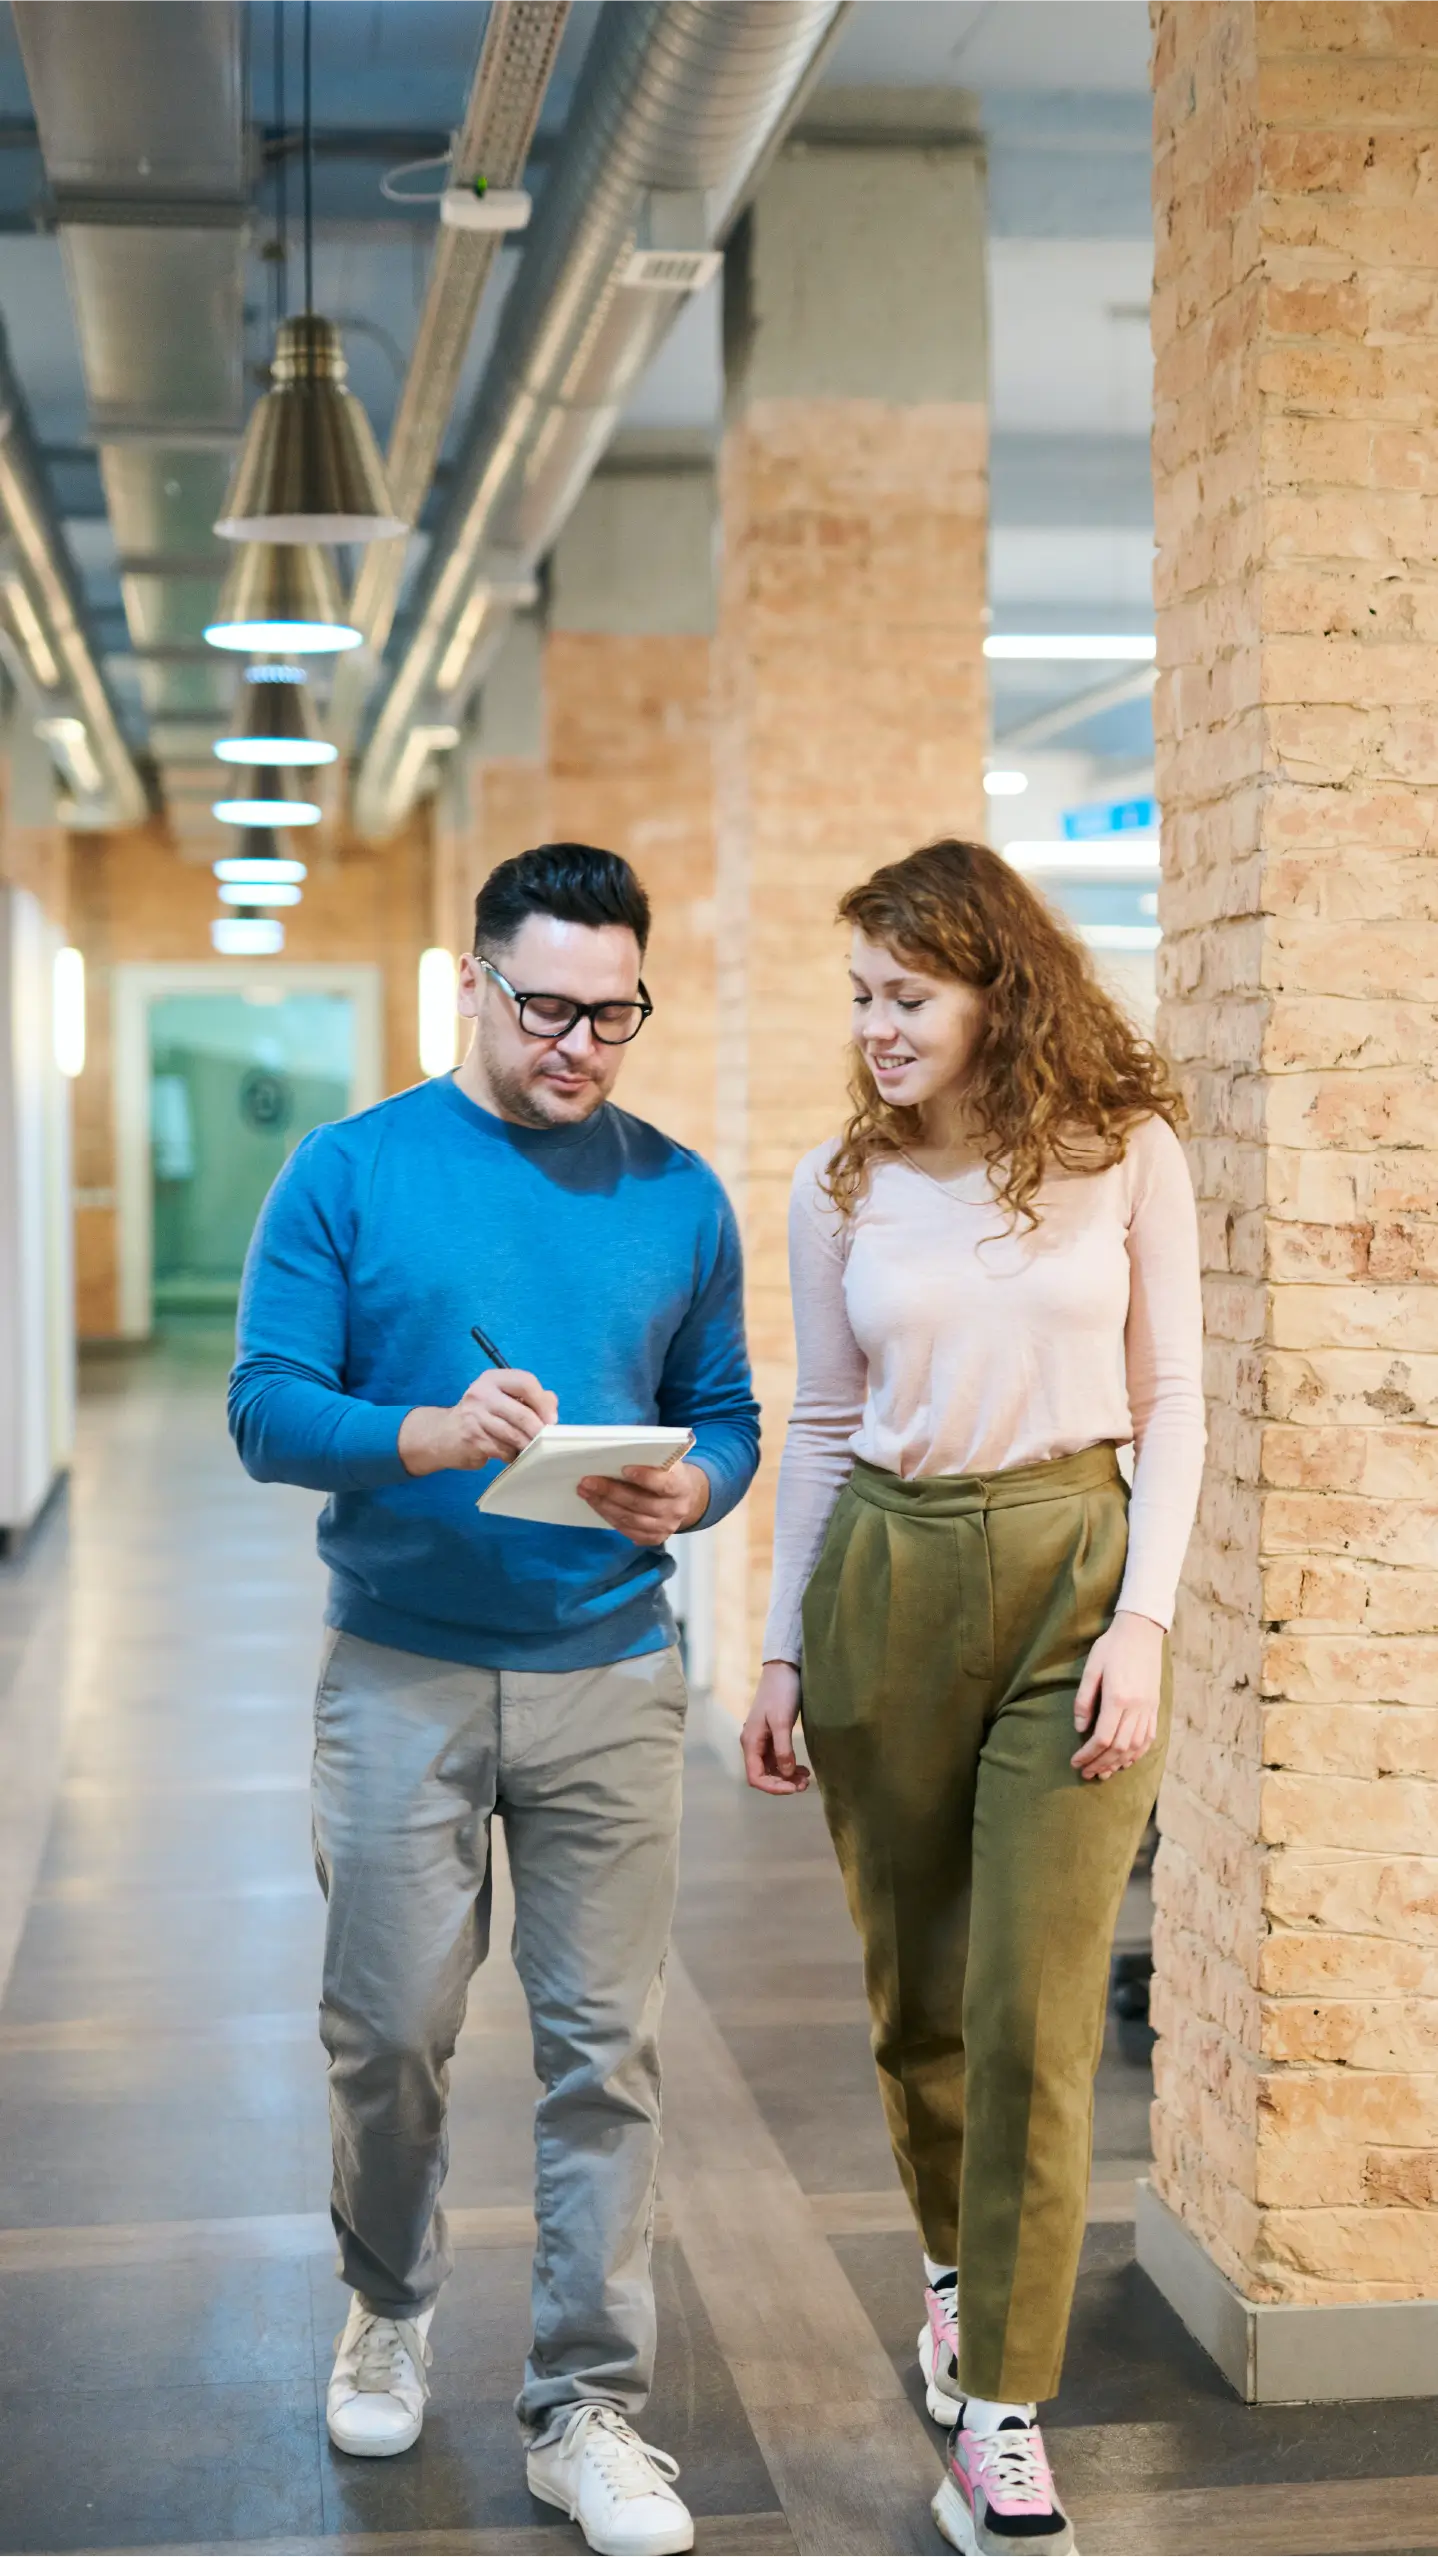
411 168
282 180
307 78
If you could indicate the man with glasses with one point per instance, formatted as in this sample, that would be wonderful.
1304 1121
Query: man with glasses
477 1665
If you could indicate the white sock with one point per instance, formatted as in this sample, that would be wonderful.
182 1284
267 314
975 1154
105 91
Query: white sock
936 2273
986 2414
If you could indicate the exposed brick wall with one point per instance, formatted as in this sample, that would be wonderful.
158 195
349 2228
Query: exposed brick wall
1296 474
851 711
631 767
500 807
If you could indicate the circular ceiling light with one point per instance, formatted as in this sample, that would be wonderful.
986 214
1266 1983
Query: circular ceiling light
277 892
249 870
247 936
282 596
273 800
276 727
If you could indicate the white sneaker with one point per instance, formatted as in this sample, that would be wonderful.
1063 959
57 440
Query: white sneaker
604 2477
939 2354
375 2402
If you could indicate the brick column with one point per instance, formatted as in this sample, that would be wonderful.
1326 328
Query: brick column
851 700
627 688
1296 468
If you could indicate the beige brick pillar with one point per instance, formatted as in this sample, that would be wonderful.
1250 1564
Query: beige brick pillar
850 678
1296 477
628 696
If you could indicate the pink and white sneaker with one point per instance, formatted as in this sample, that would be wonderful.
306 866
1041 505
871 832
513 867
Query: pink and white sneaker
998 2497
939 2353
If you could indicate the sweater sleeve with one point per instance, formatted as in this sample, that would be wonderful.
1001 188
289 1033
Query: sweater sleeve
828 1405
290 1414
1163 1353
706 1384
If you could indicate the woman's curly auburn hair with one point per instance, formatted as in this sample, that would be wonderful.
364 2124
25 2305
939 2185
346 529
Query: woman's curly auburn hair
1061 1078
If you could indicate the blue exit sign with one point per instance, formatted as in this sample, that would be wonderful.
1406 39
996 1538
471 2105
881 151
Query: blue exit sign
1110 817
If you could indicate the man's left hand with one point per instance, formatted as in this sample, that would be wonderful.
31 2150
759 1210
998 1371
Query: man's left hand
649 1503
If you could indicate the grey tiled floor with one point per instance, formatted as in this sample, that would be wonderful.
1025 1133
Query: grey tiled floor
167 2300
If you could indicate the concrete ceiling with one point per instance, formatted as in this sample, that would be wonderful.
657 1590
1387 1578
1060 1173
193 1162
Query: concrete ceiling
1069 274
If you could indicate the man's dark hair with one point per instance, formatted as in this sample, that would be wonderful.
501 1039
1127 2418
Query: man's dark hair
574 882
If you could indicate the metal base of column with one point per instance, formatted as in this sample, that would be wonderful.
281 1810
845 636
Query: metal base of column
1274 2353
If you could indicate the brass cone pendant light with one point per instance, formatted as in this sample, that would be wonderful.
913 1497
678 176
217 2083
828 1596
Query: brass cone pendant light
309 468
282 595
276 725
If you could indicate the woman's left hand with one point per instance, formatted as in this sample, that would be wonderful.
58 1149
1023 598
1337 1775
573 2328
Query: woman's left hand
1123 1675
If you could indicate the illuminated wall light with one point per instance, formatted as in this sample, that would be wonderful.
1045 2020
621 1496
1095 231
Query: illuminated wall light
236 936
1062 647
258 892
438 1021
69 1011
1005 785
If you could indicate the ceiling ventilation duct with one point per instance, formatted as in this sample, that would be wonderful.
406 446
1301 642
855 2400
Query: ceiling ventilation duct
140 109
41 594
521 40
676 98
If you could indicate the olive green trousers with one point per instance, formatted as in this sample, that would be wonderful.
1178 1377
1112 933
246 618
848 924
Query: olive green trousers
945 1631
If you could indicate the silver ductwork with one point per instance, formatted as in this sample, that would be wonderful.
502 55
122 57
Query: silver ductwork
140 110
676 109
41 595
521 40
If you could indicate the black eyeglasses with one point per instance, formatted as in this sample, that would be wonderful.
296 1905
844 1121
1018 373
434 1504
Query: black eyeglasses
553 1016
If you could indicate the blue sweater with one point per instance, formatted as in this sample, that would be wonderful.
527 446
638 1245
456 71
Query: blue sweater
602 1257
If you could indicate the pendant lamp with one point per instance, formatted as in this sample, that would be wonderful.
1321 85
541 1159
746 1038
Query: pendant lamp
247 936
282 595
309 467
276 725
273 799
261 863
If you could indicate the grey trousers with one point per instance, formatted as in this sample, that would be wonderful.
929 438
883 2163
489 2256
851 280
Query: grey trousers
413 1757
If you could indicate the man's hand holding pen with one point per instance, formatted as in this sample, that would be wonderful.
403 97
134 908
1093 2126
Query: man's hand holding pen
496 1419
498 1416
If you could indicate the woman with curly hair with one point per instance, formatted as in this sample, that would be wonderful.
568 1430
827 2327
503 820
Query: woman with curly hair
996 1287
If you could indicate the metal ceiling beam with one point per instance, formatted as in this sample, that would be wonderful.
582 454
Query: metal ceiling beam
677 99
1079 708
521 41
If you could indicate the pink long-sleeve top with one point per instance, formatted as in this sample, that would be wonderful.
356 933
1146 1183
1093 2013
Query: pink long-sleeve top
937 1338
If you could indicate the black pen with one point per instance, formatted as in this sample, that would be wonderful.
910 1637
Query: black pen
495 1357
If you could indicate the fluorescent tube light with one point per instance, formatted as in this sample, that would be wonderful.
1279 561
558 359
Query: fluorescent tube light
1062 647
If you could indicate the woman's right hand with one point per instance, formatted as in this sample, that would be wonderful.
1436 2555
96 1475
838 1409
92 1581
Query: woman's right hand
767 1738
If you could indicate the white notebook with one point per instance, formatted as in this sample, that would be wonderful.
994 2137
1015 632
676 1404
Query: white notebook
540 1483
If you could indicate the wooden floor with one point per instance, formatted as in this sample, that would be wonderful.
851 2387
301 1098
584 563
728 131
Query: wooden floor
167 2298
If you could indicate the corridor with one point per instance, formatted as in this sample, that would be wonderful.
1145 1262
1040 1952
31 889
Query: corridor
167 2303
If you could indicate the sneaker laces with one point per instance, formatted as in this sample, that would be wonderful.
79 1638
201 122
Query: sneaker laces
1012 2467
381 2342
628 2466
